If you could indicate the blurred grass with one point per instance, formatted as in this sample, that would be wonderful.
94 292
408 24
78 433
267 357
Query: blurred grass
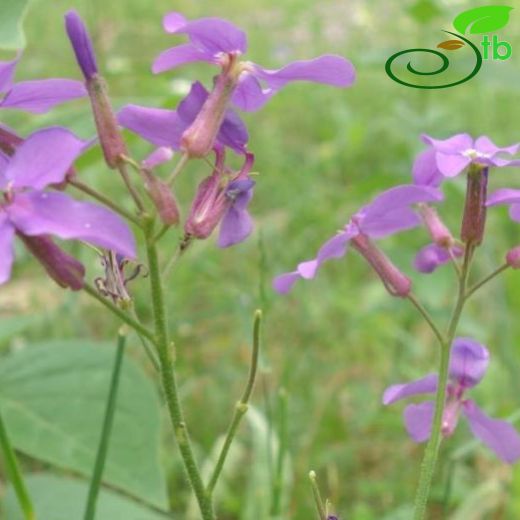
333 344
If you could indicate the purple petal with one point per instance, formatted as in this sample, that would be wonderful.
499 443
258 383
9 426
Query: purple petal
4 161
503 196
432 256
418 420
468 362
159 156
235 227
44 158
41 95
249 94
41 213
451 165
180 55
390 223
81 44
159 126
453 145
425 171
514 212
499 436
425 385
284 282
328 69
486 146
213 35
335 247
233 132
7 69
6 248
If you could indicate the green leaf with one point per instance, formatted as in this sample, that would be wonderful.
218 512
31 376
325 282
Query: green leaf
60 498
487 18
53 400
12 13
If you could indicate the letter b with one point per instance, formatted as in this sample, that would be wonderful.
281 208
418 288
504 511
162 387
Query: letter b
497 45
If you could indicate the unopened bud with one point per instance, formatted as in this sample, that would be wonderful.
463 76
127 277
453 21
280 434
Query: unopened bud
513 257
65 270
395 282
474 219
108 131
162 197
81 44
199 138
438 231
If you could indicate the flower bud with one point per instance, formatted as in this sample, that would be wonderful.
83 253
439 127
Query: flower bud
438 231
108 131
65 270
513 258
396 283
474 218
199 138
81 44
162 197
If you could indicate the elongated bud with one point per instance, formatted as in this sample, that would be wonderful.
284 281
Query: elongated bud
438 231
474 219
513 258
81 44
106 124
162 197
396 283
108 131
65 270
199 138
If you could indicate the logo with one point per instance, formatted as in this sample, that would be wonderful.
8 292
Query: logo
480 20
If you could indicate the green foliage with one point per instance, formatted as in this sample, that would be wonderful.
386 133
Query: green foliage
61 498
53 397
12 13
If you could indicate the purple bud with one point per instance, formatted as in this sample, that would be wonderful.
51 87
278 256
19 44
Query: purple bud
438 231
65 270
199 138
81 43
396 283
162 197
474 219
513 257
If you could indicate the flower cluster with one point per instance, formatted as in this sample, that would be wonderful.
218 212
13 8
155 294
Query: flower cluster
405 207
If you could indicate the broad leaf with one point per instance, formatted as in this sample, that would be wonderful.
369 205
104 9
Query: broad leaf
53 397
60 498
487 18
12 13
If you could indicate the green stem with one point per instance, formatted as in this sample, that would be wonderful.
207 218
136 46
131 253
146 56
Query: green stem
320 506
13 470
426 316
121 166
242 405
169 382
276 509
432 449
95 481
485 280
178 168
105 201
122 315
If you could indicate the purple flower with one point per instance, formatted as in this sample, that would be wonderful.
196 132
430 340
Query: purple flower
41 160
223 199
36 96
219 42
468 364
164 127
506 196
387 214
449 157
432 256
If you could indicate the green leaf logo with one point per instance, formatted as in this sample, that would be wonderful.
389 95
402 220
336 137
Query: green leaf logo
487 18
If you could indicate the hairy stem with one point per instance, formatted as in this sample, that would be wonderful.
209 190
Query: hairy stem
14 473
432 449
169 383
95 481
242 405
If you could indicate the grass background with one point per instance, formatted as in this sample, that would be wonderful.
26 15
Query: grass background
333 345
